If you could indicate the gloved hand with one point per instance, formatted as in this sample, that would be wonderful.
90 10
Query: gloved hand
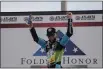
29 22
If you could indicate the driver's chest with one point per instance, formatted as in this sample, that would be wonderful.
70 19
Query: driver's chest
51 46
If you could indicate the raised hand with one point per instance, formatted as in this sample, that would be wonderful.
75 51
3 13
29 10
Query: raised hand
69 15
30 21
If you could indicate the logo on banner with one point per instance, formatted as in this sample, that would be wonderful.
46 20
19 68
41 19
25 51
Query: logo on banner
85 17
70 48
34 18
58 18
8 19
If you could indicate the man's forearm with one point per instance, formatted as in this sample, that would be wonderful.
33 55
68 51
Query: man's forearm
34 34
70 28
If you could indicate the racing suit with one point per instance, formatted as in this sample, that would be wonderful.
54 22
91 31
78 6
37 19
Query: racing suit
55 49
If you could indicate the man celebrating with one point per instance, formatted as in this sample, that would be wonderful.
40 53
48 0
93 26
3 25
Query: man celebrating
53 47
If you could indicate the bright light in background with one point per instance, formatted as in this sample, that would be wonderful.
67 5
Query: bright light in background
30 6
84 6
50 0
48 6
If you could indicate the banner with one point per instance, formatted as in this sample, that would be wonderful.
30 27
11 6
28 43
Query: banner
51 18
83 50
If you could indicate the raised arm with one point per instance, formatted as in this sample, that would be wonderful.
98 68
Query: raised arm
35 37
70 26
69 32
34 34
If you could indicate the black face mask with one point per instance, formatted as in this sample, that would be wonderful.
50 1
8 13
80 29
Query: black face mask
52 41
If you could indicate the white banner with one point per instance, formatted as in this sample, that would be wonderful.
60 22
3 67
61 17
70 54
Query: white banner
51 18
17 43
18 49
